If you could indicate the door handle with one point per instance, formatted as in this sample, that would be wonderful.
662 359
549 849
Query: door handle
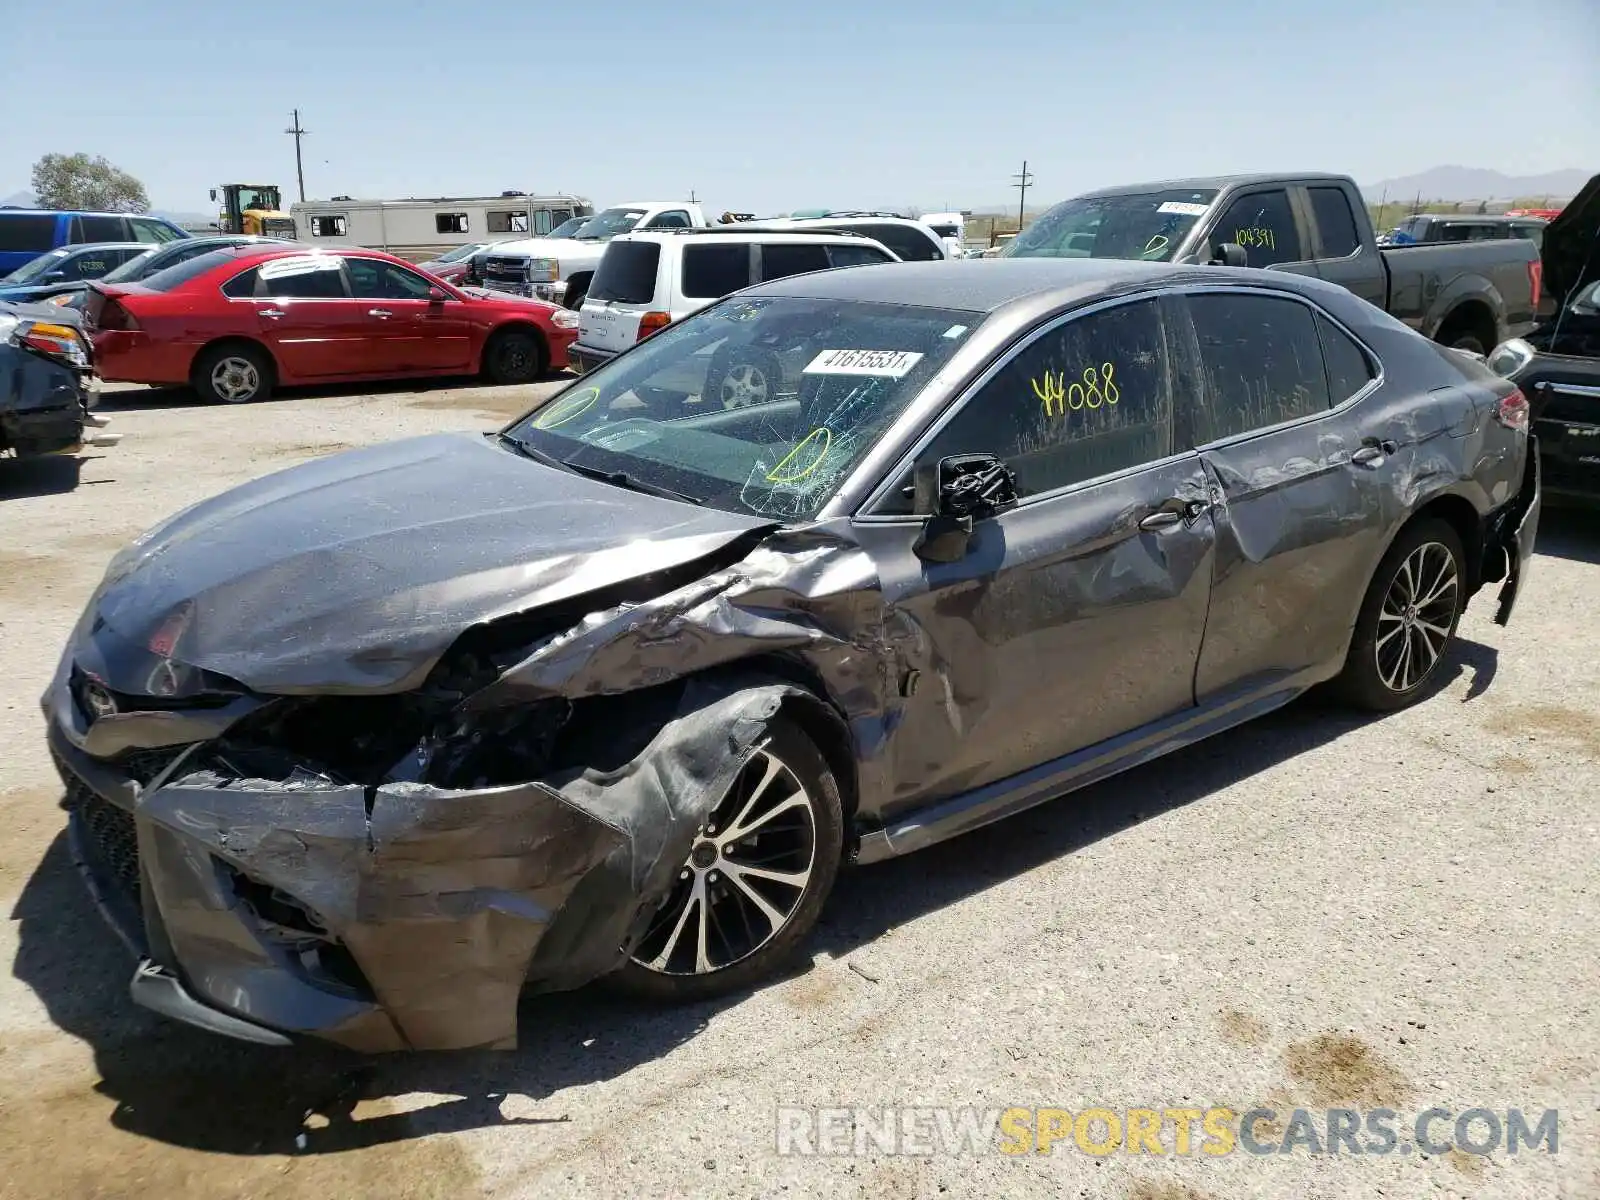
274 313
1368 456
1162 518
379 312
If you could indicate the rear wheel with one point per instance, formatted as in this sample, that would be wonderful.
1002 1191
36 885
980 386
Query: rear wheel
238 373
1407 620
1469 342
515 356
755 880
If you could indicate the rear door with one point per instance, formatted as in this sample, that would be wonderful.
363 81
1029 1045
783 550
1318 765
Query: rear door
96 228
308 320
409 330
1301 508
625 286
1342 256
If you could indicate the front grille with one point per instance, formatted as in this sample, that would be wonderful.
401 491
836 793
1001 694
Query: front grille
108 848
142 766
506 270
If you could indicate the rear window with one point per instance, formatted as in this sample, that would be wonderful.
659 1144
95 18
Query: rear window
100 229
911 244
179 274
711 272
782 259
1336 224
31 232
627 273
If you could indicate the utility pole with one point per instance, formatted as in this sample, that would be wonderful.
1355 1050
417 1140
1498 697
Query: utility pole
1023 180
299 167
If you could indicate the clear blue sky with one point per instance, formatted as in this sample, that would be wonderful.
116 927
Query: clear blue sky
818 103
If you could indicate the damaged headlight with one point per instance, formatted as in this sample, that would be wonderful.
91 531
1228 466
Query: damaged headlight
1509 357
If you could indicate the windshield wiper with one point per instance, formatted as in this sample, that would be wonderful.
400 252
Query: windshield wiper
632 482
527 451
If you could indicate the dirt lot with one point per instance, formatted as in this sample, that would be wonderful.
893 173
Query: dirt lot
1316 911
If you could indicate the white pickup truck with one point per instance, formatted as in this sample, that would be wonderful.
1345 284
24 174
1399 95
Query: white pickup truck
559 269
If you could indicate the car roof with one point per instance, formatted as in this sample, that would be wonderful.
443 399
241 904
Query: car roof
755 233
987 285
75 247
1215 183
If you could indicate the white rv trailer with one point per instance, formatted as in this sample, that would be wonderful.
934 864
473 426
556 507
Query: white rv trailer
421 228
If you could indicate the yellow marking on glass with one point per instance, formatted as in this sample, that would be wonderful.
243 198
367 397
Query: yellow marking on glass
1098 388
1256 236
778 475
567 408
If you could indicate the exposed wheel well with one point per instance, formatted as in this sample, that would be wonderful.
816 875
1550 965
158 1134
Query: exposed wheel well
579 282
1463 518
234 340
1470 317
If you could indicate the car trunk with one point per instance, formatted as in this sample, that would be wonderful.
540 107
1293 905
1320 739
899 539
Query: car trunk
623 289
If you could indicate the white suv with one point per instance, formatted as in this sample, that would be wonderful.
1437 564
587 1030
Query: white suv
646 281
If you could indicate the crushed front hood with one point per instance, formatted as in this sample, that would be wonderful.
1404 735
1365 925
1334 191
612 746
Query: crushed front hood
1569 243
354 573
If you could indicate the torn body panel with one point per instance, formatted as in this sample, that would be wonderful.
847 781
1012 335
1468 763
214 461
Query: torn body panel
412 916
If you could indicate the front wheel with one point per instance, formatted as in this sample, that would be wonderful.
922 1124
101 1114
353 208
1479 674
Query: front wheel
741 378
755 880
1407 620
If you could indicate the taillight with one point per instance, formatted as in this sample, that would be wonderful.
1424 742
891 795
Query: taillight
1512 411
652 321
58 341
1536 280
115 316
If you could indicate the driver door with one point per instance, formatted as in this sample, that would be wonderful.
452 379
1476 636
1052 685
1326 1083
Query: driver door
1077 615
410 331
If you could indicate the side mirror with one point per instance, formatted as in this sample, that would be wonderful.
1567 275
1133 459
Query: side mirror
1230 254
961 490
53 277
213 195
437 295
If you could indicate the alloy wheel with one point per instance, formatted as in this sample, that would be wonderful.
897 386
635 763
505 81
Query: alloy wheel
1417 618
745 876
235 379
744 384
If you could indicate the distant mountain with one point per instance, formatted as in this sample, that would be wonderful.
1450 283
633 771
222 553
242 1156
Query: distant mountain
1478 183
22 199
26 199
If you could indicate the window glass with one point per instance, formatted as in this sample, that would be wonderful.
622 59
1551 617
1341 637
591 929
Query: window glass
1336 224
856 256
676 219
140 263
450 222
1145 225
101 229
36 269
712 271
1261 363
374 279
909 243
506 221
27 231
241 286
1263 224
175 276
149 231
627 273
302 278
835 375
332 225
1086 399
781 259
1349 369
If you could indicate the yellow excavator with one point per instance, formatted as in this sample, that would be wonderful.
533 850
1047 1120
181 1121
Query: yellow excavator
253 208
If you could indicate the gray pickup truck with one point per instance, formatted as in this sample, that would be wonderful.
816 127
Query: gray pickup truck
1470 295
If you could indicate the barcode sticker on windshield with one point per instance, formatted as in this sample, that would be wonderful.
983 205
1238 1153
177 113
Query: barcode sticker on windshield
1183 208
889 364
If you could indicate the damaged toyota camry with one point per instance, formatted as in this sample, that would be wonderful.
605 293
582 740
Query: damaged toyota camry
366 749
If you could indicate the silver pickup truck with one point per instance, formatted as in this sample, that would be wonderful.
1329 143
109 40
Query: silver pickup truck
1470 295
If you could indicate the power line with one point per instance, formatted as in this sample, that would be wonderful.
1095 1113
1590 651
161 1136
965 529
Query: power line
299 167
1024 179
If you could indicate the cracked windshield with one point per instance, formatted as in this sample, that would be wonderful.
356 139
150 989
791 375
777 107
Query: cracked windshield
757 405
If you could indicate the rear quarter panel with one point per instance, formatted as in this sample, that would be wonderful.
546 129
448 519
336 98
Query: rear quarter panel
1429 281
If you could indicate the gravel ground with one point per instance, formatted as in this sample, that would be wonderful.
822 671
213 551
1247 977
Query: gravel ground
1316 911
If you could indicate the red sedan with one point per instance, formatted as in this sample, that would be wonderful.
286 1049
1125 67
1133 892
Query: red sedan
239 321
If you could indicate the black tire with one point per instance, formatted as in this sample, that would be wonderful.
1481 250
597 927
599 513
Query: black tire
1376 678
740 378
734 923
1469 342
233 373
515 356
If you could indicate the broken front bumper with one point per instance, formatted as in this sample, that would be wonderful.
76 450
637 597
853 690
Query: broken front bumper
404 916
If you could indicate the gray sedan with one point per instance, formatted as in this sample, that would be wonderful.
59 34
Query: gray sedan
365 749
